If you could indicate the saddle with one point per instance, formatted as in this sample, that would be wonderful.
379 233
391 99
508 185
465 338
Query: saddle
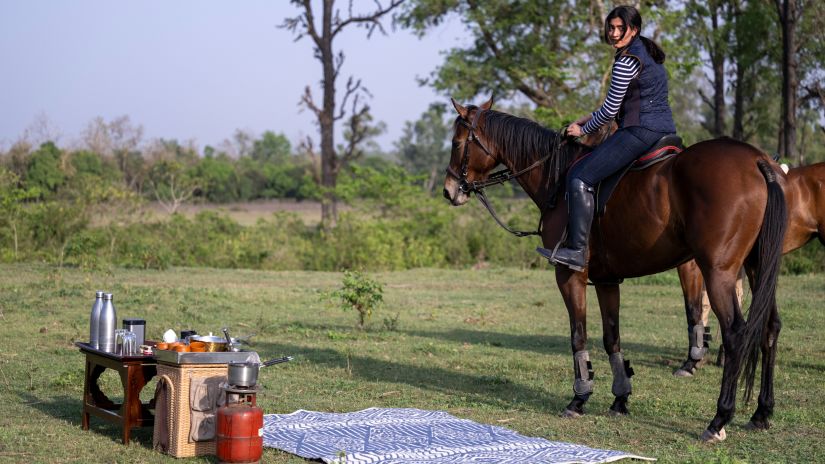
667 147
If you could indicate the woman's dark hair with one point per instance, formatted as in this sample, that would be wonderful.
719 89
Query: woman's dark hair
631 18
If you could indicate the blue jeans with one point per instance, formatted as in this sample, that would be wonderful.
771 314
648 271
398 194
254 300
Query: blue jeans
619 150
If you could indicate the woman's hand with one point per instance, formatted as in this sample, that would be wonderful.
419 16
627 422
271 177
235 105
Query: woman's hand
574 130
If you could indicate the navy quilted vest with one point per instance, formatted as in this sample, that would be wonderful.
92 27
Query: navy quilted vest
645 103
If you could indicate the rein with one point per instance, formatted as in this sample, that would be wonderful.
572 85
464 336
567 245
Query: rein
496 178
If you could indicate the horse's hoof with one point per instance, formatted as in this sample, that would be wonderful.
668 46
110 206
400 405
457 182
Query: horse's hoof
682 373
570 414
614 413
758 425
710 437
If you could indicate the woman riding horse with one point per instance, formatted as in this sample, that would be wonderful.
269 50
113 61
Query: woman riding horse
638 95
720 202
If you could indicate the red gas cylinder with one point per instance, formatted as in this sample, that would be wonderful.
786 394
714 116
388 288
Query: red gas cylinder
240 432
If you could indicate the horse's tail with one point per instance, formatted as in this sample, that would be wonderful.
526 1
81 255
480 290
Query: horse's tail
768 249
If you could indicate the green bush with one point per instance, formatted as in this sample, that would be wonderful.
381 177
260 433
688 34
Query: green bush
144 252
806 260
359 293
83 248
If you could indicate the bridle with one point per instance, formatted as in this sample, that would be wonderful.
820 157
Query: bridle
463 184
498 177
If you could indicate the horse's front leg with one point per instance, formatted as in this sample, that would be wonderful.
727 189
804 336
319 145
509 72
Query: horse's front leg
697 308
573 286
609 301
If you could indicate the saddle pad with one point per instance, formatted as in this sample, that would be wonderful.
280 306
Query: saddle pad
605 188
395 436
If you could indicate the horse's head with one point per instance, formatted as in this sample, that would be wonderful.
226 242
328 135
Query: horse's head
470 159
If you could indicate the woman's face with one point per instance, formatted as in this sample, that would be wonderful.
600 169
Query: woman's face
619 34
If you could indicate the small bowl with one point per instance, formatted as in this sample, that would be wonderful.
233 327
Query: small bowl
198 347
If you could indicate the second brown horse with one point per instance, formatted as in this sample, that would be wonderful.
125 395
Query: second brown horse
805 198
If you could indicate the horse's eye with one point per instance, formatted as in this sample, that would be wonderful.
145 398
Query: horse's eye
456 143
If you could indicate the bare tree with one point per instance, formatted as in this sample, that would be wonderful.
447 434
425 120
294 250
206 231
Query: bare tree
118 140
330 110
239 145
41 130
171 185
106 139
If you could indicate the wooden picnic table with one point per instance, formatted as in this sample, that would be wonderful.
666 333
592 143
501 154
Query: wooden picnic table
135 372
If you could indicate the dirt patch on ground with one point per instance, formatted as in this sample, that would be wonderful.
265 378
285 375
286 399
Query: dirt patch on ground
247 213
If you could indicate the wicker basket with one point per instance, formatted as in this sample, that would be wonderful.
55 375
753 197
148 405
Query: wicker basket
178 378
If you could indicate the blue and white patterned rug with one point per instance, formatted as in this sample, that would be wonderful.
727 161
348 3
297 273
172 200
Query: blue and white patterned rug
394 436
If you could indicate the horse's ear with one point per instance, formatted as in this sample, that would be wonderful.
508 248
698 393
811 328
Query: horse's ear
488 104
462 111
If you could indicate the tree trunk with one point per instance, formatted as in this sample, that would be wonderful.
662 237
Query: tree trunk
430 186
327 122
739 103
718 62
790 84
14 231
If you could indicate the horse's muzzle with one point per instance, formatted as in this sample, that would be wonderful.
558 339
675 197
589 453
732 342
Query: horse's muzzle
454 193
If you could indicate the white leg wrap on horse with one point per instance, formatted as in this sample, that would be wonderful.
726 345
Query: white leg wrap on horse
621 374
583 385
698 345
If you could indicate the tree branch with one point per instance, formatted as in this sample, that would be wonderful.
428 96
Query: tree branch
358 133
814 92
309 23
351 89
370 21
537 96
306 99
707 100
308 148
778 4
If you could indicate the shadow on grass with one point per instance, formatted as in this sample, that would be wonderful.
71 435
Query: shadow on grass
492 390
543 344
546 344
806 366
70 409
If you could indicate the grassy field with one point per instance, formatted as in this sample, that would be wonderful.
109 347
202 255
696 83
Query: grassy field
489 345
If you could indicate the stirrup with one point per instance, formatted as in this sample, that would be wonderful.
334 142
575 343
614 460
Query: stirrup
573 266
550 255
545 253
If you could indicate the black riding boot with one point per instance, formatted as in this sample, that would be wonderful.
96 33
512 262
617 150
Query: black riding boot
574 253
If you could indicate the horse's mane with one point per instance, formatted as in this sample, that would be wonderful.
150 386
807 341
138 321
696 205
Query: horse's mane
525 141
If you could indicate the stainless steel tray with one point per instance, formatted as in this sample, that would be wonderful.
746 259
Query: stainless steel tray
220 357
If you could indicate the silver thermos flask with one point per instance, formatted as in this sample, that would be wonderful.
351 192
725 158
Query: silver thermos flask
107 325
94 320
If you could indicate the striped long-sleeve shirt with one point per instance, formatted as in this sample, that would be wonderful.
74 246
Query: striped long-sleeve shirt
624 70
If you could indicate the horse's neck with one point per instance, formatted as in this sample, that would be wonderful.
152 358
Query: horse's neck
535 182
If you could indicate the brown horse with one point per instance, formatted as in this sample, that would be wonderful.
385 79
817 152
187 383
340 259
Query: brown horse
805 199
657 219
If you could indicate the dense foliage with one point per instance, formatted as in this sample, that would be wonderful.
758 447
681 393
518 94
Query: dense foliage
392 224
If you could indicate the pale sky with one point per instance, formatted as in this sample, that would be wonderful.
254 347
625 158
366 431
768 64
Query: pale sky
194 69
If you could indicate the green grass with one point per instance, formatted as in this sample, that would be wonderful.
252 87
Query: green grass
489 345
